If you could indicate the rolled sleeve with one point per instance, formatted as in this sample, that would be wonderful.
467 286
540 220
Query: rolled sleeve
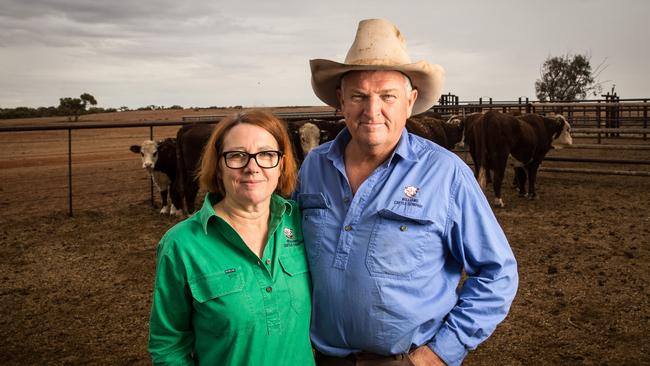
447 346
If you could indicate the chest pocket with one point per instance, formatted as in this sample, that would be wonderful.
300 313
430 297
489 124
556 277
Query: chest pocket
314 208
220 302
397 244
297 278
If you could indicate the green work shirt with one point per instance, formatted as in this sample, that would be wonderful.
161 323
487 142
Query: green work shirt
216 303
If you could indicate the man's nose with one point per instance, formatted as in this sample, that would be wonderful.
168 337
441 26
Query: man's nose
373 107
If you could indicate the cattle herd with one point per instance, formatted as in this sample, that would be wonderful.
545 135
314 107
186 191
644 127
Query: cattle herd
491 137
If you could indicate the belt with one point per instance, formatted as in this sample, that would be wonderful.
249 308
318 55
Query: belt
365 356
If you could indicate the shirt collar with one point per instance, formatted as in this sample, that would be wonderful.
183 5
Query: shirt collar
404 149
279 207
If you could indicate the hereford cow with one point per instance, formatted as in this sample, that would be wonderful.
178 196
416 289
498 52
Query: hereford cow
190 141
463 122
494 136
444 133
159 160
307 134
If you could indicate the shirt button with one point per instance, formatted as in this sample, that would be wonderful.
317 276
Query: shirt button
346 199
403 228
268 261
269 289
347 227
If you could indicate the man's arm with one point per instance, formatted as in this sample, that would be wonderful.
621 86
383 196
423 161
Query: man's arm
475 239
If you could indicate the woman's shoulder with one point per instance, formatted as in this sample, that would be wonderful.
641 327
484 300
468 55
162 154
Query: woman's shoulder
179 235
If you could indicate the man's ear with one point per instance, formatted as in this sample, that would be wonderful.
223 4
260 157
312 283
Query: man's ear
339 96
411 101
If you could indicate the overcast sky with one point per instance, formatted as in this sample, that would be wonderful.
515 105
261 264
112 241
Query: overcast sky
255 53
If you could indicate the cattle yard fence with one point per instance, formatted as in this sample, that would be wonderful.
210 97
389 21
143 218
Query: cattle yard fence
614 117
69 127
586 119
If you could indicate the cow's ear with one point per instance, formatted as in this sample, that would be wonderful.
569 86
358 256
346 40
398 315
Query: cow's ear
135 148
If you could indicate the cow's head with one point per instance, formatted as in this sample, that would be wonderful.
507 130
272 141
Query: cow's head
149 153
309 137
458 139
562 137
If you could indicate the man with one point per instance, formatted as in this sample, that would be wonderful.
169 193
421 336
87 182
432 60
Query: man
391 221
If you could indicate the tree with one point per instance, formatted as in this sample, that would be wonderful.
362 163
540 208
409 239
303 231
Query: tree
567 78
87 98
74 107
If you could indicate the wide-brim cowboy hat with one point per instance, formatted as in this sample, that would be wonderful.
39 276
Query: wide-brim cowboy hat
378 45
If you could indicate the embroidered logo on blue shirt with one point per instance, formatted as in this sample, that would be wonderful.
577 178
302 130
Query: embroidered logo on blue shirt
410 192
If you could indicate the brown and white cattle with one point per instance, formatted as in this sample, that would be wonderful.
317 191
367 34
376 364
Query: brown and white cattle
493 137
307 134
463 122
444 133
159 160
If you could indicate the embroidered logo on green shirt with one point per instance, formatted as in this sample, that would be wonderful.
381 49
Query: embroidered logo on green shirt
291 238
288 233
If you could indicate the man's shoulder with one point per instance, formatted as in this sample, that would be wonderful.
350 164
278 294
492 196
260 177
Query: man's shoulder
322 148
428 152
317 154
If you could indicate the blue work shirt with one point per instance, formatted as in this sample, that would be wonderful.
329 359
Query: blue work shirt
386 262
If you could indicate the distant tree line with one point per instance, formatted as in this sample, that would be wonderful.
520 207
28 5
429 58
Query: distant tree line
72 108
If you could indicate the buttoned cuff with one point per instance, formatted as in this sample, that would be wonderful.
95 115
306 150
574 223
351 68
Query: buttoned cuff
447 346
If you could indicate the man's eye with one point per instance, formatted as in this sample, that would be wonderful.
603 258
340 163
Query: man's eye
389 97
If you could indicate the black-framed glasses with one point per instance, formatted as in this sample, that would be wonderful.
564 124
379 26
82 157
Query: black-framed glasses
239 159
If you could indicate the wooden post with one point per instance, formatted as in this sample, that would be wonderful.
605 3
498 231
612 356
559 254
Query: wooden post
598 121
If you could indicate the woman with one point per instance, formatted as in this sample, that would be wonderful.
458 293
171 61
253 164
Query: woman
232 283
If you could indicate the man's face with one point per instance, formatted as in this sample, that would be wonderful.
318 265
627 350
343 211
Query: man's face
375 105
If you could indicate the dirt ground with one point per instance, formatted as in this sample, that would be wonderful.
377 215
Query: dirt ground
77 290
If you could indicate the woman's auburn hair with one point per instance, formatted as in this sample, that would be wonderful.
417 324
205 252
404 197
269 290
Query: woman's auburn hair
209 173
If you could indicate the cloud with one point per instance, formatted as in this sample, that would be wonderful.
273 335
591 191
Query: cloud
238 52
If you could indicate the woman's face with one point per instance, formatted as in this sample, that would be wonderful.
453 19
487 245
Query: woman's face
251 184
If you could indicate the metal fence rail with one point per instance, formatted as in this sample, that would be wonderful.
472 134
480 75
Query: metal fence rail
573 108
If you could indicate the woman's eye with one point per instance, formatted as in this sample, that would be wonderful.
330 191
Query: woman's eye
236 155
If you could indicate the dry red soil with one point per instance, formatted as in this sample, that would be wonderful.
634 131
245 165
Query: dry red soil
77 290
